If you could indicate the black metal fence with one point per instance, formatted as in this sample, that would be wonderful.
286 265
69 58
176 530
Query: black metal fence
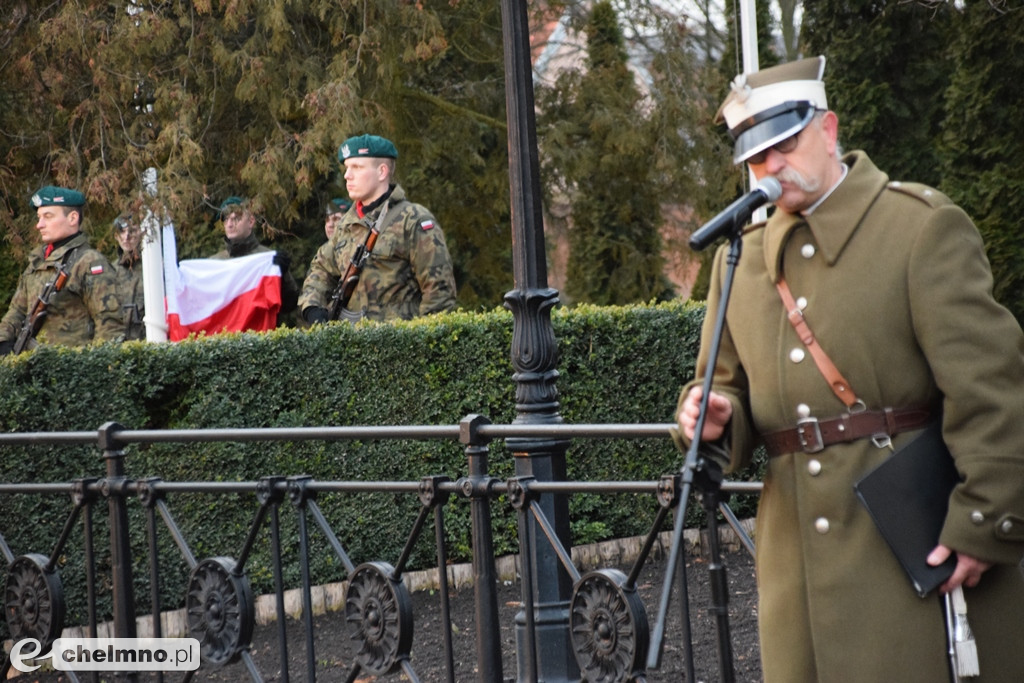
607 624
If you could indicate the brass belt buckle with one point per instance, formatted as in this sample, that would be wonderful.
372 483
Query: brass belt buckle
809 432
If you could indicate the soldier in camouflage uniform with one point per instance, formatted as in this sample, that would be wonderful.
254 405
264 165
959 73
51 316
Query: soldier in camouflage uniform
336 210
87 308
239 240
128 269
409 270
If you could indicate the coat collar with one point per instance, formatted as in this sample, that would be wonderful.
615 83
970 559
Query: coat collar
242 247
353 218
38 261
835 221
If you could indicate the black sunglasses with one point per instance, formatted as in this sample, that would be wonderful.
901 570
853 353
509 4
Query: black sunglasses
784 146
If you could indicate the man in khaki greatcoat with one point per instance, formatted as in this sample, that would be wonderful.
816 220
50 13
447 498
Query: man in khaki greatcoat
893 281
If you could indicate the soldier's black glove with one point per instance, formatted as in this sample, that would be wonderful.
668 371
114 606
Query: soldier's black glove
283 261
6 347
314 314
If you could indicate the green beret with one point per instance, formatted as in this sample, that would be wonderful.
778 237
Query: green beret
338 205
57 196
367 146
229 202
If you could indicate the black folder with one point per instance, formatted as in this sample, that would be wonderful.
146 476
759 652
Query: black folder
907 496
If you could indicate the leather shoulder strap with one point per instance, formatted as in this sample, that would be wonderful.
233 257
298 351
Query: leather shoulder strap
835 379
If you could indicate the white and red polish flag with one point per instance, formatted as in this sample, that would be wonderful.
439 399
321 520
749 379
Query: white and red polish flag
208 296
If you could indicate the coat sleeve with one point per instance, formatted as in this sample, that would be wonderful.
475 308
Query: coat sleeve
730 379
101 296
975 349
432 266
321 279
10 325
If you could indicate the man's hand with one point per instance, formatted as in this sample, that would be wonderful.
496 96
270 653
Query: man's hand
314 314
718 416
968 569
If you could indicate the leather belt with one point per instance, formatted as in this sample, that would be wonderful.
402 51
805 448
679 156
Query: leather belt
812 435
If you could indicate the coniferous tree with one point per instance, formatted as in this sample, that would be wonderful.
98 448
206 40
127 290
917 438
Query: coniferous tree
597 141
887 66
252 98
732 59
982 150
733 182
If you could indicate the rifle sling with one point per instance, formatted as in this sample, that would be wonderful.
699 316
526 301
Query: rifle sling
35 314
367 246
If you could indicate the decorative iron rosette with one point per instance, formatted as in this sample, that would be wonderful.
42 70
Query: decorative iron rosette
34 601
220 610
608 627
380 610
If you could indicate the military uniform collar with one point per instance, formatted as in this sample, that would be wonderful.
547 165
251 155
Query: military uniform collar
62 246
394 195
37 259
125 258
242 246
834 221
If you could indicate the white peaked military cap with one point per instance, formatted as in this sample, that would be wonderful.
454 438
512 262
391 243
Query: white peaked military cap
767 106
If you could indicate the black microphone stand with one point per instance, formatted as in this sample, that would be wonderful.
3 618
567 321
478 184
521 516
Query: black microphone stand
706 475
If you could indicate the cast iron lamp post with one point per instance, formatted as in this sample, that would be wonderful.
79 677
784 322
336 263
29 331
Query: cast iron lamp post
534 356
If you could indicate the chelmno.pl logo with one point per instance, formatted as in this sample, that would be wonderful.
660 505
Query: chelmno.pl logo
110 654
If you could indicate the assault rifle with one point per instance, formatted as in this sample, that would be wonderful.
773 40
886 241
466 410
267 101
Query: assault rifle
35 318
347 284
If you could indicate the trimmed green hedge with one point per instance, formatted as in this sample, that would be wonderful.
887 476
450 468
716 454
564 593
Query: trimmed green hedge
616 365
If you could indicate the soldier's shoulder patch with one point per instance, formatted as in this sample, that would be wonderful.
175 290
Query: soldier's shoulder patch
96 269
427 224
924 193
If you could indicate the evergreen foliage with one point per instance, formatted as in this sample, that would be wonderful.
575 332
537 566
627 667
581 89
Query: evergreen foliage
252 98
630 157
733 179
431 371
928 89
887 67
982 149
596 135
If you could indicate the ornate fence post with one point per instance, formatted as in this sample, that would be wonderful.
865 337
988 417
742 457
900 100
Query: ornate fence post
115 489
476 488
534 352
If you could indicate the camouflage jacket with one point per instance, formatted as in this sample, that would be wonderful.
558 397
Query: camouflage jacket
86 309
408 273
130 291
251 245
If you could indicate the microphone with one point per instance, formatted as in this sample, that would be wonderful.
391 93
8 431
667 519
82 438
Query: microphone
737 213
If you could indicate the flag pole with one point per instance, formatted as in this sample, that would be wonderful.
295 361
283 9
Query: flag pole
153 267
751 63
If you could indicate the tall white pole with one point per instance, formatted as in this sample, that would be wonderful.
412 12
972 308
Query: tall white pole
751 63
153 268
748 35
